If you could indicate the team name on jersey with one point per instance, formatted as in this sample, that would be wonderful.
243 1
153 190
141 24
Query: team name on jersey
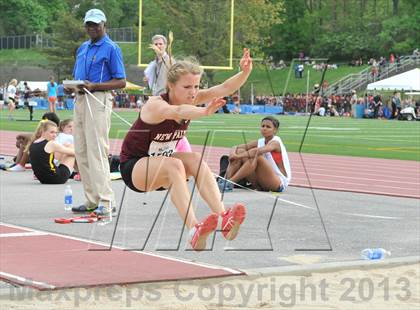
178 134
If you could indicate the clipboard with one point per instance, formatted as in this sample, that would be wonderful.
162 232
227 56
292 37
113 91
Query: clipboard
73 84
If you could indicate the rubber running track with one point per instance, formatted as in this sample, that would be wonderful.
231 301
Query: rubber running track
342 173
49 261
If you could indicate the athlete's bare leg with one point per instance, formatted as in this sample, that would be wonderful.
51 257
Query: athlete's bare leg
206 182
151 173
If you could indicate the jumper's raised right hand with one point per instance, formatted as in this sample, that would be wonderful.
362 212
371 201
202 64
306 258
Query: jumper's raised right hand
246 61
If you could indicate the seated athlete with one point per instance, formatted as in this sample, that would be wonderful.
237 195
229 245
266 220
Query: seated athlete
23 141
263 162
149 160
41 153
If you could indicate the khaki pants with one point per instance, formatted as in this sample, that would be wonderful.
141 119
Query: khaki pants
91 144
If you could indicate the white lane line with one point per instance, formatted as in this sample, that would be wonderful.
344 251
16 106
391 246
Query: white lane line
327 183
296 204
327 177
411 173
326 128
209 122
23 234
25 281
373 216
352 214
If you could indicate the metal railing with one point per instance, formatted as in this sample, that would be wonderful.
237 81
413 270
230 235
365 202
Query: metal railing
123 35
26 41
360 80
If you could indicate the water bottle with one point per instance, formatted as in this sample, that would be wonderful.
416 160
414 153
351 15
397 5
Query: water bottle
68 198
377 253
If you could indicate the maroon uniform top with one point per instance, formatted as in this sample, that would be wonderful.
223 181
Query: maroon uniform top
145 139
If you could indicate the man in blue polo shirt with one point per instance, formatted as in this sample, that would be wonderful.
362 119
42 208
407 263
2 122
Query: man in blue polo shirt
99 63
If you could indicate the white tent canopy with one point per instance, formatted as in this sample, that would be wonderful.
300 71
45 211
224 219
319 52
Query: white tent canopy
42 86
408 81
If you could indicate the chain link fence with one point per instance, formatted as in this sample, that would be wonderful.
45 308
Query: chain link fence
119 35
26 41
123 35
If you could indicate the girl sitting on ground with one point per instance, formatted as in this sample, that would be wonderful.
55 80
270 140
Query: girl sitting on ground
23 141
65 134
65 137
41 154
263 162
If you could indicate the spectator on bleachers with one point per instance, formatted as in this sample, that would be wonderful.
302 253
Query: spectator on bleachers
391 59
398 60
375 69
382 62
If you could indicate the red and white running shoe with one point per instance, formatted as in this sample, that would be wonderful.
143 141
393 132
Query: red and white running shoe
202 231
232 219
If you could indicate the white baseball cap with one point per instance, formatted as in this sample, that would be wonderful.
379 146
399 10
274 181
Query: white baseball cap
95 16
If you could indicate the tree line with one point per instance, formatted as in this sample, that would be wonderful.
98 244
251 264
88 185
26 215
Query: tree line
337 29
347 29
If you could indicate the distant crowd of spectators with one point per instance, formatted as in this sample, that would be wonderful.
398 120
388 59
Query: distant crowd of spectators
344 105
377 65
267 100
125 100
22 93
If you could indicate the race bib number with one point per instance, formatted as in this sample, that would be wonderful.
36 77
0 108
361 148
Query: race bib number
162 148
